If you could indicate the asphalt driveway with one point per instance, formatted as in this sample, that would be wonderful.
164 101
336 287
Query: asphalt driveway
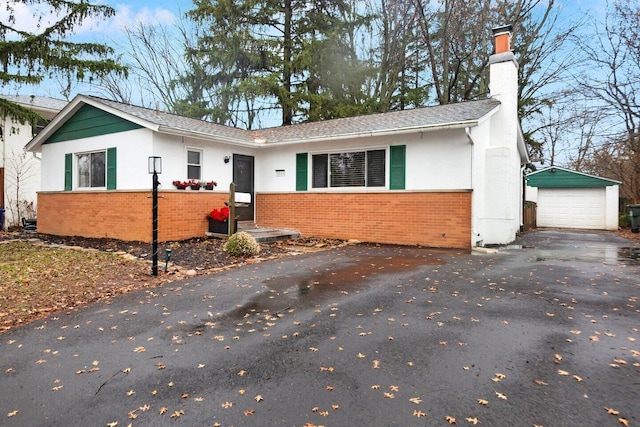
544 333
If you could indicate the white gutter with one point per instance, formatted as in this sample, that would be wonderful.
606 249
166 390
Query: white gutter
387 132
207 136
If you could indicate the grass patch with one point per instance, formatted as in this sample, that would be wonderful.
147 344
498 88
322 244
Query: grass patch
37 280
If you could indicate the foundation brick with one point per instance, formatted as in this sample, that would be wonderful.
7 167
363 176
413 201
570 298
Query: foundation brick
430 219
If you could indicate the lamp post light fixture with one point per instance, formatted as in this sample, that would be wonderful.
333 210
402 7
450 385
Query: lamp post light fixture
167 258
155 168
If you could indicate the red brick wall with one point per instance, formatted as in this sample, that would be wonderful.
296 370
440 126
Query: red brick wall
412 218
126 215
434 219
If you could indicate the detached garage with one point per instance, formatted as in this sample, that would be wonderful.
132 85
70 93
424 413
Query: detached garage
570 199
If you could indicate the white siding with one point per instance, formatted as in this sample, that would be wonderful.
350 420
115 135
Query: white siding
133 150
439 160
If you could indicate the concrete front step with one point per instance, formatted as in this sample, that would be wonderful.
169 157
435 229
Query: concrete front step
268 235
261 234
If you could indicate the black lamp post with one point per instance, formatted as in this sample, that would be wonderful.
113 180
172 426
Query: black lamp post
155 168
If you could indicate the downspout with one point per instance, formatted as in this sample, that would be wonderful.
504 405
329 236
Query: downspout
475 234
522 194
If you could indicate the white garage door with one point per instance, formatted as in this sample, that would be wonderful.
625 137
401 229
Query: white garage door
571 208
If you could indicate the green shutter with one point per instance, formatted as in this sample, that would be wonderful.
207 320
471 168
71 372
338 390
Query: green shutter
111 168
301 171
68 167
398 154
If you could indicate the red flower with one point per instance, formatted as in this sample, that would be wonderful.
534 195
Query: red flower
221 214
181 184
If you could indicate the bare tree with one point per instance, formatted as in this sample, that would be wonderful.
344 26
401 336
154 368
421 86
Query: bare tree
611 82
153 54
19 168
456 35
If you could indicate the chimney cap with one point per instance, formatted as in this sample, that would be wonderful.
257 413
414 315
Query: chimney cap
502 30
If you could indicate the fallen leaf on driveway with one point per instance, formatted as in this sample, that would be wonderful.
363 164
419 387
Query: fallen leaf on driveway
13 413
177 414
501 396
473 421
415 400
450 420
419 413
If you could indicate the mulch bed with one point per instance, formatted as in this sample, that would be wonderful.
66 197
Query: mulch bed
200 254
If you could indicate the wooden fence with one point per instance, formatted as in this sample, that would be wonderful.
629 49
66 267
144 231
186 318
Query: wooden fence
529 215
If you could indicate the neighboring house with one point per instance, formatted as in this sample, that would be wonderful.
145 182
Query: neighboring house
19 170
443 176
570 199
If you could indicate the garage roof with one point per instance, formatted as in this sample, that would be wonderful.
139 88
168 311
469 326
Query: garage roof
558 177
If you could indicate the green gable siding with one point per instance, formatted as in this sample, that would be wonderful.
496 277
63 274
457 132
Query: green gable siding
560 178
90 121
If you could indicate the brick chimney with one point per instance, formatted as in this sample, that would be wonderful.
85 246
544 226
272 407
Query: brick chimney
502 38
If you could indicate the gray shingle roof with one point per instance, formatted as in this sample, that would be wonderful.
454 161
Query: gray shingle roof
42 102
178 123
394 121
439 115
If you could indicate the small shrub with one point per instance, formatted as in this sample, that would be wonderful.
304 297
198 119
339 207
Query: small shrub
242 244
624 221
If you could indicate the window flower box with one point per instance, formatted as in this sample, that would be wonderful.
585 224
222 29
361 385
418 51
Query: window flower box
181 185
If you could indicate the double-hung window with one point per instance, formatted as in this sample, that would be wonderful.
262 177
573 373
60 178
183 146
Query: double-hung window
352 169
194 164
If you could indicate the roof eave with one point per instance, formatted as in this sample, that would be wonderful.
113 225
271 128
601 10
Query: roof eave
384 132
206 136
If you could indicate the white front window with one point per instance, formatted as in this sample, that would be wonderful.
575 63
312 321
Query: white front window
353 169
91 169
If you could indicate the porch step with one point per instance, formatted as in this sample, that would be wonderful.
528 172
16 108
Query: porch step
267 235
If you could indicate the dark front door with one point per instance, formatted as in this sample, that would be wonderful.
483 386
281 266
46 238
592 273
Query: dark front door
243 178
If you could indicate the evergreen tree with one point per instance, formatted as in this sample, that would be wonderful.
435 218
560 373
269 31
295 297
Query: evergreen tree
28 57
